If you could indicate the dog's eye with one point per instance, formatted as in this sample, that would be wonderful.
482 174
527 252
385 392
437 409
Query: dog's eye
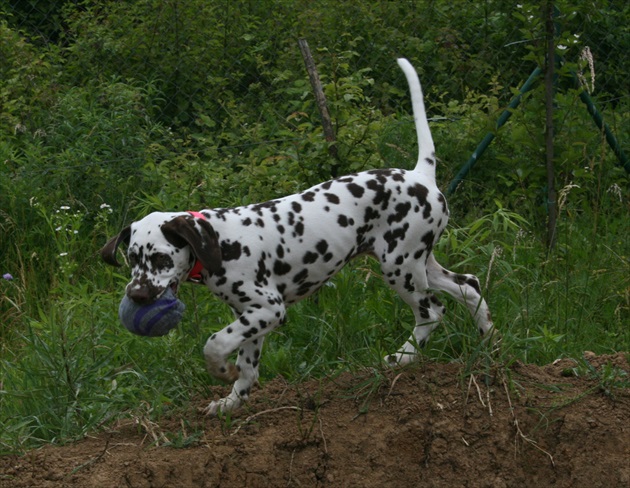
161 261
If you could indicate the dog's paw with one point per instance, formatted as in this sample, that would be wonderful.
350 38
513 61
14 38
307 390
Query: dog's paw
401 358
391 360
222 406
227 372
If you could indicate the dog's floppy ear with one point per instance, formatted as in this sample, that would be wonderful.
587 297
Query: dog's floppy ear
108 251
199 235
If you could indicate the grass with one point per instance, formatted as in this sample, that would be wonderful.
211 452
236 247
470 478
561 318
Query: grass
67 367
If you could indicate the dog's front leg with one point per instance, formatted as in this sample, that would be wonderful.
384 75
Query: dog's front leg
216 351
247 367
247 333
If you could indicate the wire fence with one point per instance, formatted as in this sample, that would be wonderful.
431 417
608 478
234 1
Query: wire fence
227 79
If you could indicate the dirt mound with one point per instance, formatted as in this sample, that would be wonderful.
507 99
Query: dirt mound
427 425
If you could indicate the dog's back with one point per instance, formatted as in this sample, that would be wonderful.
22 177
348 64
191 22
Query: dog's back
389 213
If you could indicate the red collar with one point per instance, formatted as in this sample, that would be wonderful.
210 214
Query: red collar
195 273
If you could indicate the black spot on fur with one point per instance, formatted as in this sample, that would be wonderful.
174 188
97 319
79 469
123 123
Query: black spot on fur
308 196
428 239
423 307
321 246
343 221
370 214
356 190
301 276
382 196
409 286
402 209
261 272
160 261
236 291
474 282
309 257
332 198
230 251
393 236
281 267
421 192
365 246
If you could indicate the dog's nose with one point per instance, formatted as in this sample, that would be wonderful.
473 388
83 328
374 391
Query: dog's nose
139 295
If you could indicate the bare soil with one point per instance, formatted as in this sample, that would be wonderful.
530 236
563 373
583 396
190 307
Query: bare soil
427 425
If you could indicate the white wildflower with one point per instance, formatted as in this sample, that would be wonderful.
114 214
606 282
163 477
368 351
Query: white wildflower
615 190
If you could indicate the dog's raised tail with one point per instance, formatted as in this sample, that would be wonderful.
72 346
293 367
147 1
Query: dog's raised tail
426 148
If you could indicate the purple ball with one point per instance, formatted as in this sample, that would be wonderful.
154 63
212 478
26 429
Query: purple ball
153 320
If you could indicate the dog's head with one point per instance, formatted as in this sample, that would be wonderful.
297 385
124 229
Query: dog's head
162 249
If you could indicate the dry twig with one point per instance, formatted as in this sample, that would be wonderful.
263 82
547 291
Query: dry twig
258 414
518 428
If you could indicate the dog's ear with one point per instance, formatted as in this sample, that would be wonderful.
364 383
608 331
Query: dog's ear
200 236
108 251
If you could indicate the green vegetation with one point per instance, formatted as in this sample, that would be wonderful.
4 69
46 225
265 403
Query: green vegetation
109 110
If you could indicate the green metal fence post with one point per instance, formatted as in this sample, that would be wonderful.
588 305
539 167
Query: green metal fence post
503 118
599 121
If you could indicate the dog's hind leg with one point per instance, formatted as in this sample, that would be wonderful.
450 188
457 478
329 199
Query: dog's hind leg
465 289
413 288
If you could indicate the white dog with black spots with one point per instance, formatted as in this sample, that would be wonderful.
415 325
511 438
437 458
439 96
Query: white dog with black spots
261 258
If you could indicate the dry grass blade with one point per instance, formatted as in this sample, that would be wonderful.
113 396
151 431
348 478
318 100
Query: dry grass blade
519 432
264 412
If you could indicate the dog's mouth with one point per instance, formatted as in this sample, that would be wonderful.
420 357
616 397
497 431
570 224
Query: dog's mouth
174 286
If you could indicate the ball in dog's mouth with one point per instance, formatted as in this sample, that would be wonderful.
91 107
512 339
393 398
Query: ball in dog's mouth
152 320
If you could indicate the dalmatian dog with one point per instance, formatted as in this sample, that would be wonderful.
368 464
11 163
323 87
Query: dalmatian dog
261 258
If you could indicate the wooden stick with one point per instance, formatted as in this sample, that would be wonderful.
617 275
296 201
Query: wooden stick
320 98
